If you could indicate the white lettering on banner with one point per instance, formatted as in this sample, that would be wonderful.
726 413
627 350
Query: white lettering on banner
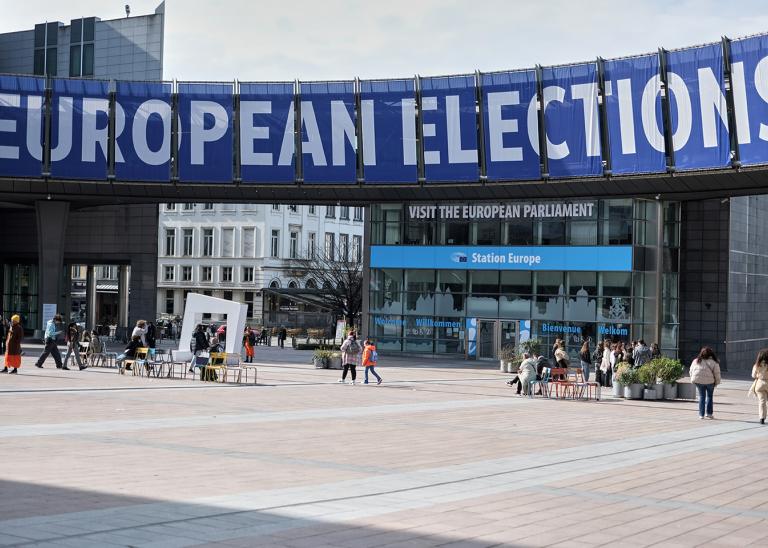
91 135
587 94
64 143
456 155
533 124
648 111
9 152
34 127
502 211
740 103
342 126
249 132
498 126
149 108
369 132
560 150
626 114
710 96
198 134
313 145
684 112
430 156
288 146
761 84
408 113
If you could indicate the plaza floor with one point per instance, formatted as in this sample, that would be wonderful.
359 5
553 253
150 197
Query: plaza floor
440 454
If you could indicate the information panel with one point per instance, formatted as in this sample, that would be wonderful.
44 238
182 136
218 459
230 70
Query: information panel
143 131
511 130
389 131
267 146
21 125
635 120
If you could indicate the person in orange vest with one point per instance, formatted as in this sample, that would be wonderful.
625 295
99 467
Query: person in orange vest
370 359
13 346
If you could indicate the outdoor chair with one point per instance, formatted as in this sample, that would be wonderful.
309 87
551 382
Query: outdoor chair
543 384
216 367
178 358
233 366
136 362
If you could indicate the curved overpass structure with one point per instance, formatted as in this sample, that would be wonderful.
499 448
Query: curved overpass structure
686 123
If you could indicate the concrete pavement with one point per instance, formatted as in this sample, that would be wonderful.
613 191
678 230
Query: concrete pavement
441 454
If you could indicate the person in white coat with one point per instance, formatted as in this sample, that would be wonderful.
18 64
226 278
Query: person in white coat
760 386
705 374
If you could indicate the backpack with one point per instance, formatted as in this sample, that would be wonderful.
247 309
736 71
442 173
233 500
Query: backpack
374 356
354 347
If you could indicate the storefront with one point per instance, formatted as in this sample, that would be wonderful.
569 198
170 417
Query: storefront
469 279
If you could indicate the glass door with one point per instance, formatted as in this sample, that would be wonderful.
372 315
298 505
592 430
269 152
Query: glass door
487 339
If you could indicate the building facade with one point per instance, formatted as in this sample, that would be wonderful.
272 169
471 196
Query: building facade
235 251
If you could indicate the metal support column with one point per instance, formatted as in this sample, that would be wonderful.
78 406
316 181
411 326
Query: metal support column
123 294
659 271
90 298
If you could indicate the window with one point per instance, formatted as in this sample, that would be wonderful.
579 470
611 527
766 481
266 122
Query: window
330 212
168 273
207 242
248 298
206 274
249 242
344 213
74 60
187 251
275 244
226 273
87 59
169 301
293 208
358 214
275 207
311 245
344 247
357 247
45 54
208 206
329 246
228 242
248 274
228 295
186 273
294 245
189 207
170 207
312 210
170 242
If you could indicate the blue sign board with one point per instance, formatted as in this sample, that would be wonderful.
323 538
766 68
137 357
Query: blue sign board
21 126
601 258
749 82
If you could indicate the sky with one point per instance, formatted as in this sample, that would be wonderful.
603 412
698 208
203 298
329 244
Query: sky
339 39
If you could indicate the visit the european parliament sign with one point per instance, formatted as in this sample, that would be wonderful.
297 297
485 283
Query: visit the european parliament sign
635 115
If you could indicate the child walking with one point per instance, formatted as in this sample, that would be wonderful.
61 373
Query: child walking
370 358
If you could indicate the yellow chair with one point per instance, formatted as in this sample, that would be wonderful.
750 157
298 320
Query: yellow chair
136 363
217 363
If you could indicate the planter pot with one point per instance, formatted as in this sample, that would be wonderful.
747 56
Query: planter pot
659 388
686 391
318 363
511 368
670 391
650 394
634 391
502 366
618 390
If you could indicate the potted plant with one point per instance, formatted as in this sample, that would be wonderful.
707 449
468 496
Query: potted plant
646 374
531 346
618 387
668 371
633 388
506 355
321 358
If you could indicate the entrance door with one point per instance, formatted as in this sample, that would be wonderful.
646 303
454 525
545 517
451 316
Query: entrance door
508 334
487 339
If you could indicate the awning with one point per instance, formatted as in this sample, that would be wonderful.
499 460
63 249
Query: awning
312 297
106 288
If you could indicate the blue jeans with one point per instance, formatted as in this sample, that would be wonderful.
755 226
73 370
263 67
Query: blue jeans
705 396
372 370
585 370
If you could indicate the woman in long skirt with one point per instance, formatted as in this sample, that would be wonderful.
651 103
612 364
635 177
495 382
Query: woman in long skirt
13 346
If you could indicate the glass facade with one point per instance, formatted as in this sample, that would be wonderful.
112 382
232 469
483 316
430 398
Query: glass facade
437 310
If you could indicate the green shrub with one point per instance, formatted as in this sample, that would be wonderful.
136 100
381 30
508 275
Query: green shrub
668 370
627 376
321 354
507 353
646 374
531 346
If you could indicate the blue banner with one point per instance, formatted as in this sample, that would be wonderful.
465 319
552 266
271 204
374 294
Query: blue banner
571 120
143 131
21 125
449 125
79 129
389 131
635 121
267 146
205 141
749 81
699 114
328 132
511 130
600 258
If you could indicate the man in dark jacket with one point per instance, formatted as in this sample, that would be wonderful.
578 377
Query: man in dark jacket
199 345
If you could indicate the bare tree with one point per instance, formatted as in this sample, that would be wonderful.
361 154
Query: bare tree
339 278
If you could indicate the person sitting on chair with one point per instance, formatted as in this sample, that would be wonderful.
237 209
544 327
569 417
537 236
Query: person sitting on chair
130 351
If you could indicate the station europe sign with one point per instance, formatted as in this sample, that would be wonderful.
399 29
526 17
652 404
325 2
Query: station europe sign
580 258
247 129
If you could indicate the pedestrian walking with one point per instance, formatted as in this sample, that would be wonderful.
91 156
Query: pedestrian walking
760 386
705 374
350 356
249 341
73 346
586 360
13 346
370 360
52 330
